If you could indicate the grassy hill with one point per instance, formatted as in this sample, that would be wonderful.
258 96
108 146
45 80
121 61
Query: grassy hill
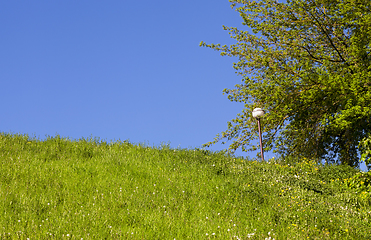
89 189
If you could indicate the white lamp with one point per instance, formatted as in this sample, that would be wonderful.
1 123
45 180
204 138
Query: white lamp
257 113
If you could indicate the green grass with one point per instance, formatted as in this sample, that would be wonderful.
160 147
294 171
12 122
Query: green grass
90 189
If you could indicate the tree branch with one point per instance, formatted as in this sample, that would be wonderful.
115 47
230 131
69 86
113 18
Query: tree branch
329 38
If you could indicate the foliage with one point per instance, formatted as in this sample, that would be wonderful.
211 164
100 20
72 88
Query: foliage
307 63
360 182
365 146
89 189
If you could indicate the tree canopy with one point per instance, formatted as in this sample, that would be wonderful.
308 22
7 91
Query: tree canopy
307 63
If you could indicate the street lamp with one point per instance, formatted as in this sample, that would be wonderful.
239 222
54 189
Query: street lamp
257 113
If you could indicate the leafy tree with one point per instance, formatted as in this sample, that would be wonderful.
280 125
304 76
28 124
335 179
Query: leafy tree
365 148
307 63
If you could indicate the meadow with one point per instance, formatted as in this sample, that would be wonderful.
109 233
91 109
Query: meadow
90 189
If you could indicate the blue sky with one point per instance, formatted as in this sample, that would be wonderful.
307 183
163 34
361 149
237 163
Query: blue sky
129 70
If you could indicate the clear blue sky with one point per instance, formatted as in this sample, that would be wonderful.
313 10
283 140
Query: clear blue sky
129 70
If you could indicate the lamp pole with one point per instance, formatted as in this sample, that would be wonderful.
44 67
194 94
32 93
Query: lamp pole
257 113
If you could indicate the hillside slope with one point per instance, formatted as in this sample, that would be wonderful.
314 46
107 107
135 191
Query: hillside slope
90 189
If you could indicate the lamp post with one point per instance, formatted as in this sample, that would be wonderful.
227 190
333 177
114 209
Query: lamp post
257 113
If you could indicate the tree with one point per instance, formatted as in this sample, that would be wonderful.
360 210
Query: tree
308 64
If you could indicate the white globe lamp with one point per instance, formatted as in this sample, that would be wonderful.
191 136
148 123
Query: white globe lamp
257 113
